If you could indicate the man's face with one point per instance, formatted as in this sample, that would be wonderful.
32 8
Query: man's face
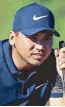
34 49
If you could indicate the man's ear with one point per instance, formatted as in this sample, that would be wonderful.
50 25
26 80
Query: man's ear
12 36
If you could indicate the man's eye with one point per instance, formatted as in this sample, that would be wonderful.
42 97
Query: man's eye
48 37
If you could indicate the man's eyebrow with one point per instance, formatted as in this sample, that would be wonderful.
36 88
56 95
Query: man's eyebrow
50 33
33 36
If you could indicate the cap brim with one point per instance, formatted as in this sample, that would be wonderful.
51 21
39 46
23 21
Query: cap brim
32 31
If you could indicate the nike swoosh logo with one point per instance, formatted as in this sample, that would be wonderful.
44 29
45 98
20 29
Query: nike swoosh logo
40 86
37 18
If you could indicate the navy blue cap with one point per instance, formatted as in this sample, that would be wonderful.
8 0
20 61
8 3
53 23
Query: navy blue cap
34 18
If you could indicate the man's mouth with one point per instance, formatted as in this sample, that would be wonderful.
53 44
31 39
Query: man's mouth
38 56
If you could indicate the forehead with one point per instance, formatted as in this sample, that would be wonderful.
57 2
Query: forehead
42 33
45 32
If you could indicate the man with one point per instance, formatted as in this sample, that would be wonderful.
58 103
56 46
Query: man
28 74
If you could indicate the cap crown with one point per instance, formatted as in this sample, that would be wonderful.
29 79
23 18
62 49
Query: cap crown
33 16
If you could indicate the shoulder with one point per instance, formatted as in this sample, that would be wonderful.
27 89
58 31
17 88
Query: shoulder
1 51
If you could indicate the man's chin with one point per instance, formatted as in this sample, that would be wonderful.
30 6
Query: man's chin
38 63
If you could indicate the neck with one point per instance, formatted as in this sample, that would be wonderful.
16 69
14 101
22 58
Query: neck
19 62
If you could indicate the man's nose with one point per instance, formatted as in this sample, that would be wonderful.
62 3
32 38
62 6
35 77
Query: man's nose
40 46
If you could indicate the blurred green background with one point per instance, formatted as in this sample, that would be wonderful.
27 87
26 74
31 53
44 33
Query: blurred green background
9 7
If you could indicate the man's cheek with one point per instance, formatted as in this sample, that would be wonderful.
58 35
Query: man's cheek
50 42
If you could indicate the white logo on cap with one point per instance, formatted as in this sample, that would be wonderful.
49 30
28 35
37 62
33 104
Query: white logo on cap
40 17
